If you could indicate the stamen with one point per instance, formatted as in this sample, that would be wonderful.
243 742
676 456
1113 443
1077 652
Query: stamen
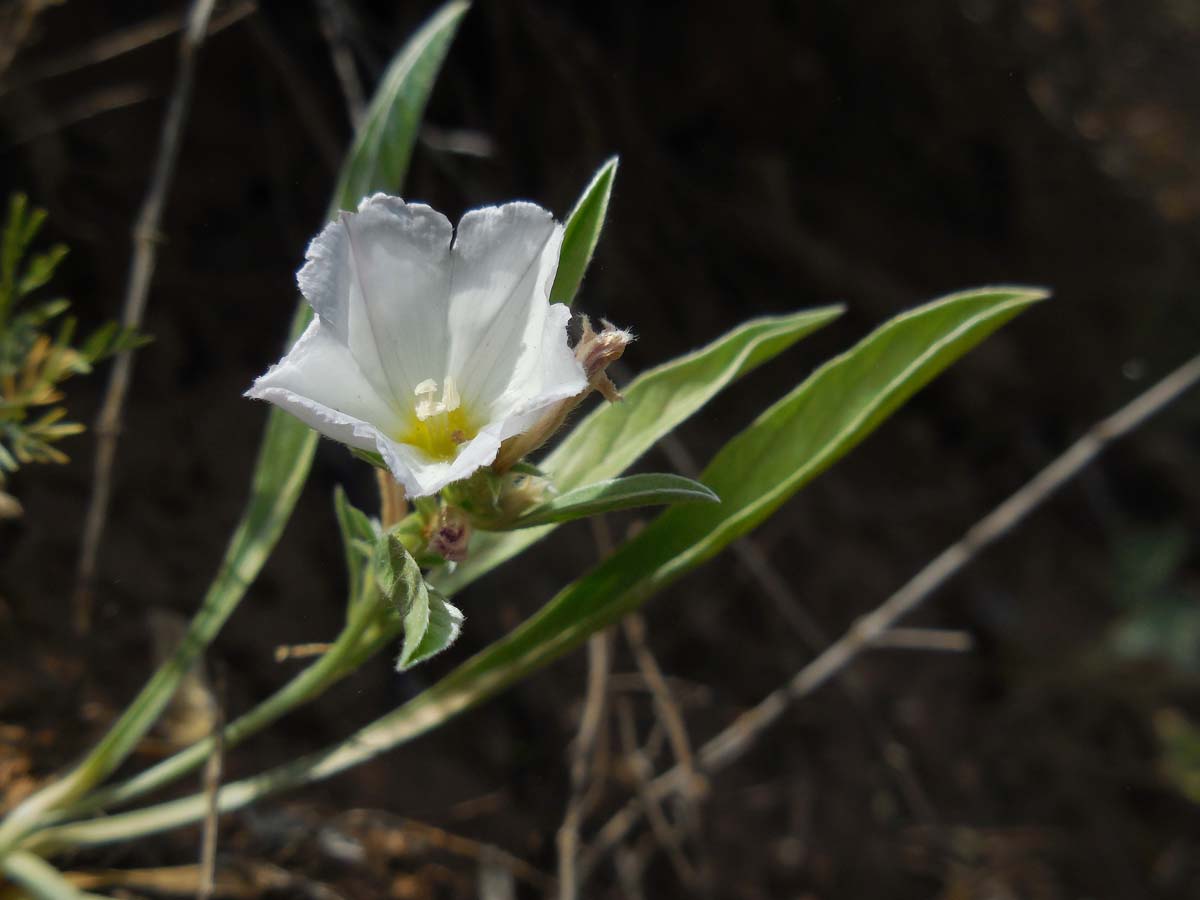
439 427
450 398
427 407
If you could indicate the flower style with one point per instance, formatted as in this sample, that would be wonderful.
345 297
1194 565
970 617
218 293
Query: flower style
429 348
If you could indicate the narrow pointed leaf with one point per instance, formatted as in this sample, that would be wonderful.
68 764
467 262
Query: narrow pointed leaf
616 494
383 147
615 435
377 162
784 448
358 540
40 269
39 878
582 233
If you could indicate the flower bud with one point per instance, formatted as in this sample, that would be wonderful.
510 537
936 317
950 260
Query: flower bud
451 534
596 351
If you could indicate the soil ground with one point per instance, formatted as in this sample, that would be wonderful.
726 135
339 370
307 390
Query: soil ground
774 156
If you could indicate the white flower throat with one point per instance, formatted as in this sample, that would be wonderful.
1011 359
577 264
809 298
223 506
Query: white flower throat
438 427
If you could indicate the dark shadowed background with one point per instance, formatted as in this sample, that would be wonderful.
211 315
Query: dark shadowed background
774 156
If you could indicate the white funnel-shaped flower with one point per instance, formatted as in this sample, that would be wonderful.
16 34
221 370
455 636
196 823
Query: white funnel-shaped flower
428 347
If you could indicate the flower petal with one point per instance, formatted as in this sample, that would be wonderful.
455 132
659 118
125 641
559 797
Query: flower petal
320 383
504 259
422 476
547 373
380 277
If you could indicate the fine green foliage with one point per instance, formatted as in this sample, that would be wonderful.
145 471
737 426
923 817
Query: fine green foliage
285 454
33 362
616 494
431 624
582 233
615 435
790 443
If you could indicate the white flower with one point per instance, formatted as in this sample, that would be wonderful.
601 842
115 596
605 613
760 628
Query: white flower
427 351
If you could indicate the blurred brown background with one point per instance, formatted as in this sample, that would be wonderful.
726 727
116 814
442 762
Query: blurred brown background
774 156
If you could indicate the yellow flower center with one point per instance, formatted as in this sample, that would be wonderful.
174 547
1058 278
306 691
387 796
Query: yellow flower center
438 427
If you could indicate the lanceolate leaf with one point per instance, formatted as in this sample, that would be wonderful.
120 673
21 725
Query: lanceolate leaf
383 146
358 540
615 435
582 233
376 163
615 494
789 444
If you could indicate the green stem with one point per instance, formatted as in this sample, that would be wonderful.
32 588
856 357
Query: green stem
377 161
265 517
348 652
40 878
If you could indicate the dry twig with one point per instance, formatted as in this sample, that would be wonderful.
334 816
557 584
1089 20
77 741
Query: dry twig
294 80
118 43
141 271
666 834
397 836
284 652
790 608
333 27
213 770
744 732
582 752
634 626
931 640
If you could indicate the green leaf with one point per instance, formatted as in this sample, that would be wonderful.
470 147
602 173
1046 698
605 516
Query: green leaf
381 152
444 625
430 623
616 494
40 269
42 313
39 878
582 233
358 540
399 579
94 345
20 228
615 435
376 163
109 340
788 445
